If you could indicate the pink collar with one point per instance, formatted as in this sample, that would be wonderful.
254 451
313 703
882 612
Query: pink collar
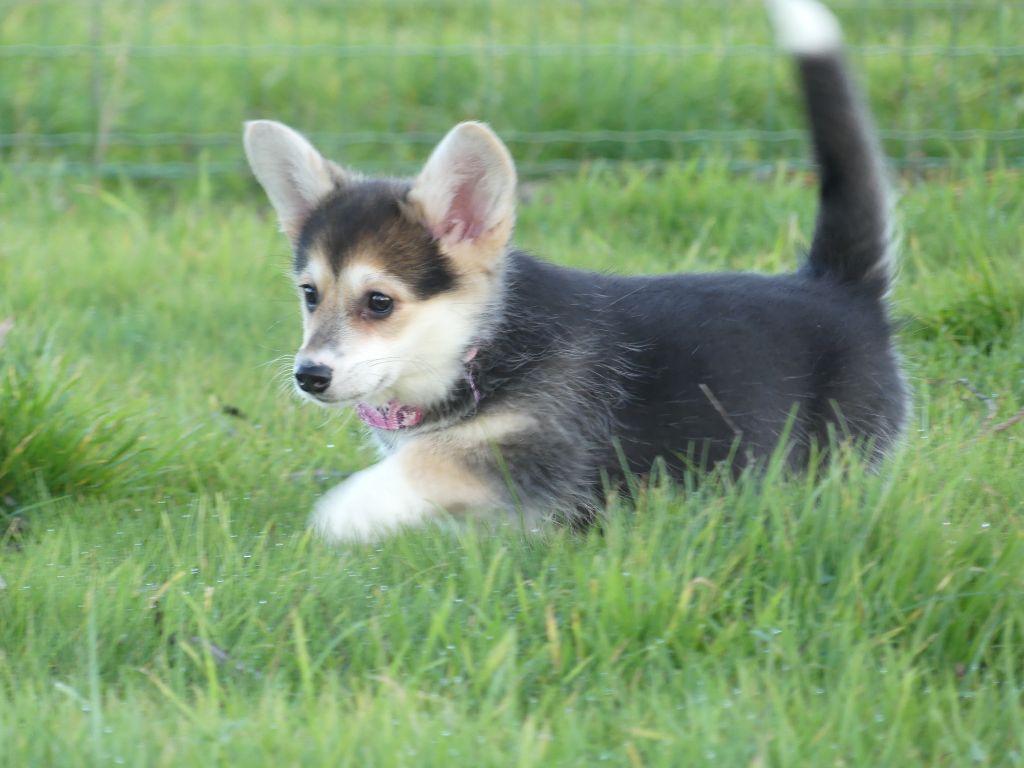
395 416
392 416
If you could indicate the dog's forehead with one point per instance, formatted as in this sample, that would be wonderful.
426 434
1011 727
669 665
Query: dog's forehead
369 222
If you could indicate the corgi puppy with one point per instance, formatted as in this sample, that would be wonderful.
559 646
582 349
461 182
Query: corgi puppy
495 382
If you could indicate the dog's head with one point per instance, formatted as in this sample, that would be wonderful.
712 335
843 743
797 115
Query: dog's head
395 278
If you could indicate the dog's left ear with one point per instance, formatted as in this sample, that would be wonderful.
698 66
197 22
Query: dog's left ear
466 194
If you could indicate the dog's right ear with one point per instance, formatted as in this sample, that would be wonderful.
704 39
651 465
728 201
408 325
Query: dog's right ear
294 175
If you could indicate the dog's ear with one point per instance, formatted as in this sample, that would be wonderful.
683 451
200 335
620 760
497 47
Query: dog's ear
294 175
466 194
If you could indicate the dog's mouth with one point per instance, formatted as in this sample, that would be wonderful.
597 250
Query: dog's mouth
323 399
328 399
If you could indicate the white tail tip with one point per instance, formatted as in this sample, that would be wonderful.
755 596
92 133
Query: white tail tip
804 27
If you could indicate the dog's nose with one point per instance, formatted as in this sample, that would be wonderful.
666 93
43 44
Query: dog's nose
313 378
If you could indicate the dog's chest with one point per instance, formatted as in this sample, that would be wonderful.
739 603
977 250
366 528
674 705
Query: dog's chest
387 442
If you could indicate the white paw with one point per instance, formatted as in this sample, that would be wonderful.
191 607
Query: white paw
804 27
370 505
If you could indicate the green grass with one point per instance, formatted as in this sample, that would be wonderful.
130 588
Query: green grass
161 87
57 435
160 600
172 610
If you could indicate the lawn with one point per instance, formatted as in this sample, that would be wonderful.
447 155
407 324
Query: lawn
162 604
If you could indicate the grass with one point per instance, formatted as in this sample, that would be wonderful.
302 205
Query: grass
160 88
54 435
172 609
161 602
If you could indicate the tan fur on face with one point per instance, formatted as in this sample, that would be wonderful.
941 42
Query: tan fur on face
415 355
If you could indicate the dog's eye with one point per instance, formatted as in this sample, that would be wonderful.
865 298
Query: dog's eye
379 304
310 296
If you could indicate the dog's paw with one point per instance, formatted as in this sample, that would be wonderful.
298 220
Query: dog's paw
369 506
804 27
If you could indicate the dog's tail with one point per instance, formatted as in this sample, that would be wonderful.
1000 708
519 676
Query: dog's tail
854 235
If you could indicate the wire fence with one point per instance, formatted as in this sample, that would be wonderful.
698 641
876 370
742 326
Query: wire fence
159 88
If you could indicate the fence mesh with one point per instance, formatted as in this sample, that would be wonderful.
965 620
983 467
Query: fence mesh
157 88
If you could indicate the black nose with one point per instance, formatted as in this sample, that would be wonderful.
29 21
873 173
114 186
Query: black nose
313 378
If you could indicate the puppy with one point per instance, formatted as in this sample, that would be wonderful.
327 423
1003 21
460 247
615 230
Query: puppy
496 382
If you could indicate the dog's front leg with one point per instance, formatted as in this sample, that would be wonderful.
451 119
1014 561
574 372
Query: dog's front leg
408 489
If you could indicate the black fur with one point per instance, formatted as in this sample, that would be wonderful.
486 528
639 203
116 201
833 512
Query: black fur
699 369
696 369
852 235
